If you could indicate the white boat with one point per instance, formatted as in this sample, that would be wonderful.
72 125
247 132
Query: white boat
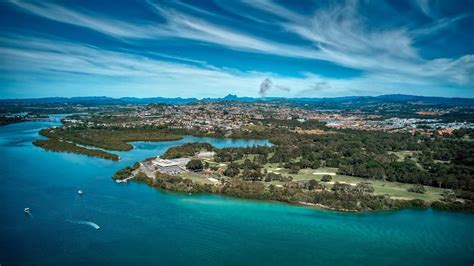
80 192
27 210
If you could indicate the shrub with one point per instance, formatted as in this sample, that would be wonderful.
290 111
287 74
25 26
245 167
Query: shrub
417 188
195 165
326 178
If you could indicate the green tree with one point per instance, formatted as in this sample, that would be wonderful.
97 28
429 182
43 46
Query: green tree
448 196
417 188
232 170
261 159
312 184
326 178
195 165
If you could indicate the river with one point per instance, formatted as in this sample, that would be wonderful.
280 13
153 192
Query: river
142 225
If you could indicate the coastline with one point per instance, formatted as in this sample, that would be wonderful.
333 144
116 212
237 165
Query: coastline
323 207
317 206
386 203
192 187
307 205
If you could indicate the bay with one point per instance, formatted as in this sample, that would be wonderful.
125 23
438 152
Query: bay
140 225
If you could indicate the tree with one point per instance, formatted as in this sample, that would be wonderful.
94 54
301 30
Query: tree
341 187
312 184
364 187
417 188
232 170
316 164
305 163
247 164
188 149
261 159
294 169
195 165
326 178
448 196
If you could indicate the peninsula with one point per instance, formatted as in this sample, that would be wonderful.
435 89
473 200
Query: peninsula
348 156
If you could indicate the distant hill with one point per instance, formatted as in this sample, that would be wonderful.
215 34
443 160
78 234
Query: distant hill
102 100
411 98
178 100
99 100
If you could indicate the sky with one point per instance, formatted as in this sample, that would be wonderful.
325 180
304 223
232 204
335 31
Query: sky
257 48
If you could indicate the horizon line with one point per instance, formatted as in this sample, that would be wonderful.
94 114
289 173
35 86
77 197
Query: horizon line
234 95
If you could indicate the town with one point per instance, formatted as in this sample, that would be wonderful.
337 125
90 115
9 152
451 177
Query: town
227 116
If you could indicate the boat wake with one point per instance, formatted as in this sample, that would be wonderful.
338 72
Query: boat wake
94 225
28 212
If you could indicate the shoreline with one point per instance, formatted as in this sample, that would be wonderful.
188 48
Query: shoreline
307 205
350 199
316 206
369 202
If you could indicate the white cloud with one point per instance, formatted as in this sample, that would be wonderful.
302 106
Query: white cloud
342 36
436 26
426 7
136 74
96 22
338 34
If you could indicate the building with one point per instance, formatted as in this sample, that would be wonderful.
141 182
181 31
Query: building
205 154
172 166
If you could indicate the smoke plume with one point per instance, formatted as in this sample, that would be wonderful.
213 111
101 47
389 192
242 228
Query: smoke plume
265 86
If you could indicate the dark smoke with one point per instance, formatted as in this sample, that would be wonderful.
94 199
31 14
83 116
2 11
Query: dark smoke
265 86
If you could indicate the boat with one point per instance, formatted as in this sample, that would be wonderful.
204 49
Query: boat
80 192
27 210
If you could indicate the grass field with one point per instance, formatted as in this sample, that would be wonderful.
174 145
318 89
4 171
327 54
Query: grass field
393 189
196 178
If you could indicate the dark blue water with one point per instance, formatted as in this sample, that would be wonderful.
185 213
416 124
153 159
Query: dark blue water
141 225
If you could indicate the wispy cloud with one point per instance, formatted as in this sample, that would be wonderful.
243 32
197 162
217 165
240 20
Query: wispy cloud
337 33
436 26
425 7
32 55
96 22
343 37
177 25
82 64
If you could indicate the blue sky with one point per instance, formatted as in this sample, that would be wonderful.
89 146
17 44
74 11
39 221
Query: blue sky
212 48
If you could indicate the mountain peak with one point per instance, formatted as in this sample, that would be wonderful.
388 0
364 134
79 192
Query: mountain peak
230 97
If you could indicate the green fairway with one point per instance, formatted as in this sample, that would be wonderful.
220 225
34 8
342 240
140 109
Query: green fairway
196 178
393 189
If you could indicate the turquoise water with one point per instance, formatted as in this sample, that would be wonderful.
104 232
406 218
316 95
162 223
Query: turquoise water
141 225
